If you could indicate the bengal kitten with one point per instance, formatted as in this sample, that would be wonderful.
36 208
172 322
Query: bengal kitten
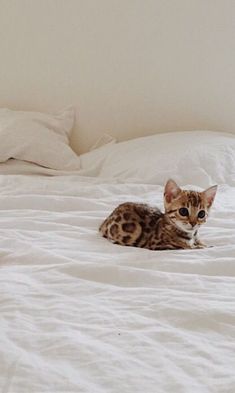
140 225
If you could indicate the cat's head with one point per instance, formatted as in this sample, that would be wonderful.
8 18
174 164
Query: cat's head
187 209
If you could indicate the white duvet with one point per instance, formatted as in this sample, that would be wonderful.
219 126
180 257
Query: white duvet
79 314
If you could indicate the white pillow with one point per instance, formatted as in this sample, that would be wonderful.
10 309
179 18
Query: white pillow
39 138
193 157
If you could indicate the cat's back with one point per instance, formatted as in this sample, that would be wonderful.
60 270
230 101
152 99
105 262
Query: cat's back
130 222
140 211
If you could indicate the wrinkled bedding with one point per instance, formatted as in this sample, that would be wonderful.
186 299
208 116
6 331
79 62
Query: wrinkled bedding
79 314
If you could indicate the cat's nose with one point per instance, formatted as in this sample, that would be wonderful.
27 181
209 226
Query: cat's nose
193 224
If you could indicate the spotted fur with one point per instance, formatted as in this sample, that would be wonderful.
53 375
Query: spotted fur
140 225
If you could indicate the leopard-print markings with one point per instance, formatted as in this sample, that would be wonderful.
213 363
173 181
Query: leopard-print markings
130 224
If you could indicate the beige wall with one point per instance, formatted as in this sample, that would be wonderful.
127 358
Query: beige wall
131 67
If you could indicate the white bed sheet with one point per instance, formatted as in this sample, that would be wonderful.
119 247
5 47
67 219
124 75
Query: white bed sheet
79 314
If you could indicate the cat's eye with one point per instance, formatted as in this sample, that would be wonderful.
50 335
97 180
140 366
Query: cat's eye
183 211
201 214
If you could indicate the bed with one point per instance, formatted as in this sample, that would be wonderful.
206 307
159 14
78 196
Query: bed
79 314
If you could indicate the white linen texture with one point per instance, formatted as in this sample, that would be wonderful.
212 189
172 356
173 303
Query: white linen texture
79 314
39 138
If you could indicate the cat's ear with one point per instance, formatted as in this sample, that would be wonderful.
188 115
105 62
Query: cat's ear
172 190
210 195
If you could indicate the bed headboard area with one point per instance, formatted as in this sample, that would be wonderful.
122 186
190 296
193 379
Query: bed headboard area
130 67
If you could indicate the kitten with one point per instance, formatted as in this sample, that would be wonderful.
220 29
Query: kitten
140 225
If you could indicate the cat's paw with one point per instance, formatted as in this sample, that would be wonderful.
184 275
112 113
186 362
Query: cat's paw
203 245
200 245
